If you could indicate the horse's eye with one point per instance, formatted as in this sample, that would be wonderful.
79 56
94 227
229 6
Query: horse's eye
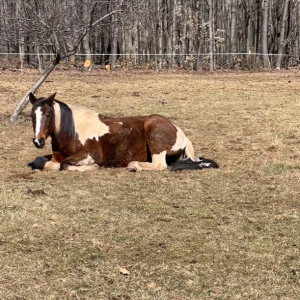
47 116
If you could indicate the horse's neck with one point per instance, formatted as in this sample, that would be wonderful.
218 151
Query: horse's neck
87 124
57 115
64 124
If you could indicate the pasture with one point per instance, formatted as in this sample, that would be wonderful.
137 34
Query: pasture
231 233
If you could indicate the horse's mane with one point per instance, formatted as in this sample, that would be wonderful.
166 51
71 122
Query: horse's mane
66 127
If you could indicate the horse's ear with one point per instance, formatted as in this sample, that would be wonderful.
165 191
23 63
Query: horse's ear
32 98
50 99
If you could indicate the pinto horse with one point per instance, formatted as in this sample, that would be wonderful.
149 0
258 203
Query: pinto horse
84 140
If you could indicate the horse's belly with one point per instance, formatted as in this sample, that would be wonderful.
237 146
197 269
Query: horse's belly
120 149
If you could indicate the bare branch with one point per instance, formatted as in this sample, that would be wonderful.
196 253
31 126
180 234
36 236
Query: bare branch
108 14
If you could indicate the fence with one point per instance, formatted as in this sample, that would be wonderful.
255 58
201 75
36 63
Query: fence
194 61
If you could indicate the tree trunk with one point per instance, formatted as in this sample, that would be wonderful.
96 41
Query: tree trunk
39 59
265 21
198 37
21 34
183 31
114 44
211 36
233 35
257 29
159 34
86 40
87 52
174 40
168 17
281 41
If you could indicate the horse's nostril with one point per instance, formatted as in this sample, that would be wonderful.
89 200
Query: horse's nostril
42 142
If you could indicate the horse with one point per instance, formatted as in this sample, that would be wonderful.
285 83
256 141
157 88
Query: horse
82 140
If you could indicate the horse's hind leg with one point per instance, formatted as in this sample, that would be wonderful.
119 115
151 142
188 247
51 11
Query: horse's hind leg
161 136
158 163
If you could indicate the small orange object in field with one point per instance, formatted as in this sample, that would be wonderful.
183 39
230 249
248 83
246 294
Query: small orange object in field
107 67
87 63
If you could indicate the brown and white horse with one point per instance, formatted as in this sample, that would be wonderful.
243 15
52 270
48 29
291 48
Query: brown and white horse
84 140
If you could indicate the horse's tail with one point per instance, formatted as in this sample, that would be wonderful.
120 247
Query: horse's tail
190 162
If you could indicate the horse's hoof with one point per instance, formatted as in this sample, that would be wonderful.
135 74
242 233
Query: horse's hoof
38 163
93 167
133 166
131 169
63 166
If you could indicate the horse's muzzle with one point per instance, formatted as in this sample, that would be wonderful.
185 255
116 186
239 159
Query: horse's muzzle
40 143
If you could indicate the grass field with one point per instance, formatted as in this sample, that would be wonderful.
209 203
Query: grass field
231 233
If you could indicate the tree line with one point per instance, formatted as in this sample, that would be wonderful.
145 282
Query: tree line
190 34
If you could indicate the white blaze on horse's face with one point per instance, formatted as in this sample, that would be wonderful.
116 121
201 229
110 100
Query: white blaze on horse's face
38 123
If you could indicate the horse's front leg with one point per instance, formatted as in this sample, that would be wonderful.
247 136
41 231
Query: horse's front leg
80 161
47 162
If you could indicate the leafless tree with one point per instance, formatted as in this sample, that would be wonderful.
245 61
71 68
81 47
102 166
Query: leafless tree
58 40
159 33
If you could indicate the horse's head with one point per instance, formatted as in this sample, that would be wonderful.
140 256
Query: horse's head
43 120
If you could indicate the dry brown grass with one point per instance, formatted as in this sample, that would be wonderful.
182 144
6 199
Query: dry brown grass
231 233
